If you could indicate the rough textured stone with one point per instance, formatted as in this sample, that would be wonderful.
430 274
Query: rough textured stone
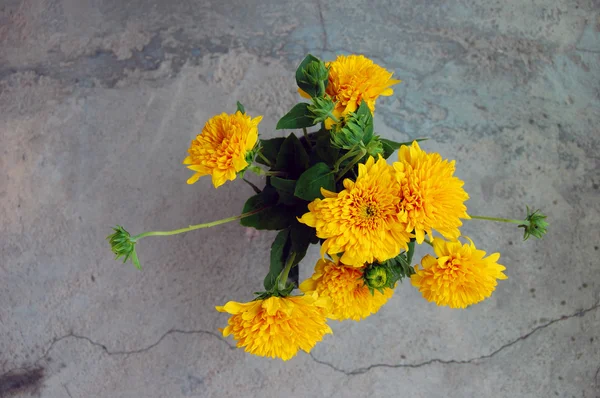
99 100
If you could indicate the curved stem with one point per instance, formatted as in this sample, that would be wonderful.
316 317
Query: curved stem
350 165
428 242
498 219
347 155
283 277
197 226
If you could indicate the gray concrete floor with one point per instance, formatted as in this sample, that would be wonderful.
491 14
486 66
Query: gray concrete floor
98 102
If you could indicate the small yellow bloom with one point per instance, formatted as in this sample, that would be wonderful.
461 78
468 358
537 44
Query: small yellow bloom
278 327
221 149
460 276
350 297
432 198
362 221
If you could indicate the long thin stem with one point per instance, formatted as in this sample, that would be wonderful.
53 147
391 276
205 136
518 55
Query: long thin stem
306 137
264 158
283 277
351 164
498 219
197 226
428 242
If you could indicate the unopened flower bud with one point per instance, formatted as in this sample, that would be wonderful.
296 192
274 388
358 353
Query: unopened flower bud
321 108
123 246
376 277
316 72
536 226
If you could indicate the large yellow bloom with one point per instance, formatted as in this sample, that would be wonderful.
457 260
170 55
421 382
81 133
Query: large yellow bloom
432 198
221 149
460 276
362 221
278 327
350 297
354 78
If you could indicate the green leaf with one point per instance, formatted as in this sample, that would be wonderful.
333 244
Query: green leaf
278 257
270 149
241 108
325 151
312 180
301 237
275 217
303 80
285 189
297 118
292 157
389 146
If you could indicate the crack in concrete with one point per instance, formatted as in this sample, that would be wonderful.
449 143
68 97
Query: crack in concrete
363 370
322 21
67 390
109 352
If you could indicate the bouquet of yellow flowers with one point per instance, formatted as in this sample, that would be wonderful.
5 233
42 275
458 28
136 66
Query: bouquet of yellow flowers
332 186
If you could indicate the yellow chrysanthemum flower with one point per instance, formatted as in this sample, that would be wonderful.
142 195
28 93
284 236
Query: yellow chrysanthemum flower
460 276
362 221
278 327
432 198
350 297
352 79
221 149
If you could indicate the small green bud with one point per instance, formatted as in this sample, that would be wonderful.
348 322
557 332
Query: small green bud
376 277
355 129
537 225
122 245
316 72
375 147
321 108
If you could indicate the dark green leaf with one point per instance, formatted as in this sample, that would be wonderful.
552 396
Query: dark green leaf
389 146
241 108
297 118
292 157
278 257
270 149
301 237
325 151
312 180
285 189
275 217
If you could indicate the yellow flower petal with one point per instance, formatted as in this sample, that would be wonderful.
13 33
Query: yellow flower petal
460 276
278 327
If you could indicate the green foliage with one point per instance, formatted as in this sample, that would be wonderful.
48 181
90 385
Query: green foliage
241 108
292 157
294 239
312 76
275 217
355 130
378 276
321 109
285 188
299 117
270 149
312 180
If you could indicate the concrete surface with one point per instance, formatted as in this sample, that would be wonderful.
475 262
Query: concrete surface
98 102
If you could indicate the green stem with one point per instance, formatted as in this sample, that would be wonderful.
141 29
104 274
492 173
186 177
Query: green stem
411 252
263 173
283 277
306 137
197 226
263 157
499 219
254 187
350 165
428 242
347 155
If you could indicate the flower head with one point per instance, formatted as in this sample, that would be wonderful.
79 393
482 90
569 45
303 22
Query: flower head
362 221
122 245
222 148
350 297
277 327
460 276
431 197
354 78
